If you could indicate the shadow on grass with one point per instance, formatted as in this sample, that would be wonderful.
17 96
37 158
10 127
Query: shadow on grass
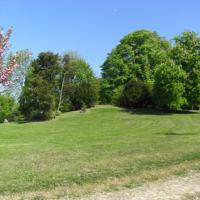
151 111
176 134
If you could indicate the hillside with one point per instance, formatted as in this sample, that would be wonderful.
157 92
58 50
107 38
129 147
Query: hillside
103 149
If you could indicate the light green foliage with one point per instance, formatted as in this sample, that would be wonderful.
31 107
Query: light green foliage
186 53
7 108
135 57
82 71
193 87
169 86
79 85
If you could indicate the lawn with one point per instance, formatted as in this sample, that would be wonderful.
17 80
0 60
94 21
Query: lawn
105 148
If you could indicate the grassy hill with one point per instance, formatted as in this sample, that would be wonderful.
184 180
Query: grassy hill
105 148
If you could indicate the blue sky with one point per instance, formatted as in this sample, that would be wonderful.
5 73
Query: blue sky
92 27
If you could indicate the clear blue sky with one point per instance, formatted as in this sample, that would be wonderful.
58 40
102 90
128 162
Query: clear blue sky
93 27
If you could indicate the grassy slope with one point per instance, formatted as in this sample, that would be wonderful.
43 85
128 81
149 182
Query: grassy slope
106 146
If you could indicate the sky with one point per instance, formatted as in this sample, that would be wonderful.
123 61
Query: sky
92 27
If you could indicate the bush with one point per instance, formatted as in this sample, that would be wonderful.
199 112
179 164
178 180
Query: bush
84 93
8 108
135 94
77 95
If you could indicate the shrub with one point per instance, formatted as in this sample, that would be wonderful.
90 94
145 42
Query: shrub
83 94
135 94
77 95
7 108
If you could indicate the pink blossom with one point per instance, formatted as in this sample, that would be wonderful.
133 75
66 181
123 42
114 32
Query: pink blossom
6 70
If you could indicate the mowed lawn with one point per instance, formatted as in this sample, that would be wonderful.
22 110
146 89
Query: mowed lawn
105 148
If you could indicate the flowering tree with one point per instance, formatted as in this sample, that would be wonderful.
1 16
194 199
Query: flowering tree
6 68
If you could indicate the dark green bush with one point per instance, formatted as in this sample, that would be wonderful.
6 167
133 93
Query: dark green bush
135 94
37 101
77 95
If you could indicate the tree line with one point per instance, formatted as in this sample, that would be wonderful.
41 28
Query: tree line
143 70
147 70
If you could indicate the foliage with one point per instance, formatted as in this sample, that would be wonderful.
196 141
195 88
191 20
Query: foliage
23 59
6 68
186 53
57 84
169 86
135 57
135 94
37 102
82 94
7 108
193 87
79 83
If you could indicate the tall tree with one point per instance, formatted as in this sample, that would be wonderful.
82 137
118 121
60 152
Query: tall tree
186 52
135 57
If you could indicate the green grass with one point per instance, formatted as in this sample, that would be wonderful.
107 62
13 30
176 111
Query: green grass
97 150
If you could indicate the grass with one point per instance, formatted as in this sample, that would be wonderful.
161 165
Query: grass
104 148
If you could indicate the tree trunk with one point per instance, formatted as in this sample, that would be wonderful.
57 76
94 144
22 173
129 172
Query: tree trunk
61 92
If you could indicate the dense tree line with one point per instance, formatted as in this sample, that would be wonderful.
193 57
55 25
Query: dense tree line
57 84
147 70
144 70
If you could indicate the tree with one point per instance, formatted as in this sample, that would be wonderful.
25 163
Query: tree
36 101
40 93
186 53
193 87
23 58
48 67
169 86
6 69
135 57
78 85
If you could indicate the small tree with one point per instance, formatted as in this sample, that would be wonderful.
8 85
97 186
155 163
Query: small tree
169 86
6 69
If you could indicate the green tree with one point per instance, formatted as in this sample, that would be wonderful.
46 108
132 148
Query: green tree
78 85
169 86
193 87
36 101
7 108
135 57
48 66
186 52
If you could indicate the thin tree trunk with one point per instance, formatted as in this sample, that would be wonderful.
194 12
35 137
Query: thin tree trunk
61 92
